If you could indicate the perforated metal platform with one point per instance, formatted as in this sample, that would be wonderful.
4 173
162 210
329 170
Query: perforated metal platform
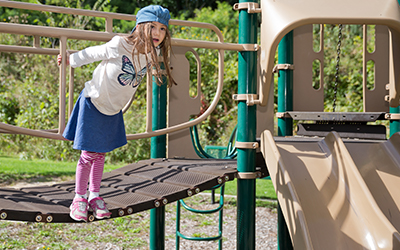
127 190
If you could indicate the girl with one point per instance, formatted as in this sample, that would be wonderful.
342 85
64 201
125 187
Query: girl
96 125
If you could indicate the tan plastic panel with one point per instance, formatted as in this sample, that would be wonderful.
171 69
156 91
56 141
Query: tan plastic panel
265 114
394 92
280 17
374 99
182 106
306 98
326 198
179 143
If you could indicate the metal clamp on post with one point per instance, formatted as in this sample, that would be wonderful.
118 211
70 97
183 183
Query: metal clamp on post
250 6
282 115
390 116
248 175
248 145
284 66
387 98
251 99
162 72
250 47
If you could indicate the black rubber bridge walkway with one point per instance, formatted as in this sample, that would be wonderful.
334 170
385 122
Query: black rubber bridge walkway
134 188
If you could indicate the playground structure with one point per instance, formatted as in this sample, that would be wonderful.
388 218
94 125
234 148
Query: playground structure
139 186
333 193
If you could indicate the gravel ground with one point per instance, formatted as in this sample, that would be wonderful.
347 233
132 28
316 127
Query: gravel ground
191 225
266 230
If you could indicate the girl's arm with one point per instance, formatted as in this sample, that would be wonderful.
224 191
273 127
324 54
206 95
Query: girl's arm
95 53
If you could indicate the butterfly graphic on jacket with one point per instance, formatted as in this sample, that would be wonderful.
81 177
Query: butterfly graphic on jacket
129 76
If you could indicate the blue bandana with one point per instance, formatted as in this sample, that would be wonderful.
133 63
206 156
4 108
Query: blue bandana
152 13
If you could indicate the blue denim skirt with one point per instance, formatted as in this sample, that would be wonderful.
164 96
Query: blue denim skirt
94 131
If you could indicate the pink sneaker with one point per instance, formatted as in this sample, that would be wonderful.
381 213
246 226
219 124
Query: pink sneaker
79 209
99 208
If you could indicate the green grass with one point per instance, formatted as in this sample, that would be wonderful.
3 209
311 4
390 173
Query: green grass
264 189
119 233
13 169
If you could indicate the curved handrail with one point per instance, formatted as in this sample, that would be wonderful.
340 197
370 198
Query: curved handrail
178 127
231 152
198 119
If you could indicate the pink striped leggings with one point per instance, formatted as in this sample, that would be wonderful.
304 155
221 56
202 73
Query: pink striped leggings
91 165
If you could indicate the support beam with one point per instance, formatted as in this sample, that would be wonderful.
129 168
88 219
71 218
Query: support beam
158 150
285 124
246 132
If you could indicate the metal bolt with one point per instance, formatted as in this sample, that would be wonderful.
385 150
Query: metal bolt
157 204
91 218
38 218
3 215
165 201
197 190
189 192
226 178
49 218
130 210
121 212
219 180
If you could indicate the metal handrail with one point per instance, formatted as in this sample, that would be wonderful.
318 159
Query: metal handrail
109 16
66 33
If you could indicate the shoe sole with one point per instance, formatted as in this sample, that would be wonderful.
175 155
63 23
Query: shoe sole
102 217
76 219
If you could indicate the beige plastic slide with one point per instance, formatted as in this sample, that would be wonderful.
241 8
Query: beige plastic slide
337 194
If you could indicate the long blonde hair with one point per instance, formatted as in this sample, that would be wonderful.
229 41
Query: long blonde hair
142 41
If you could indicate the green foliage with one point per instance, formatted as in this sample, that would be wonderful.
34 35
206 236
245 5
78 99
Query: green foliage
186 7
9 108
74 21
29 83
350 79
29 94
15 169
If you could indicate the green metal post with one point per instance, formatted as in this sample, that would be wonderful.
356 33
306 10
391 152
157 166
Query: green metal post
246 132
394 125
178 225
285 84
158 150
285 125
